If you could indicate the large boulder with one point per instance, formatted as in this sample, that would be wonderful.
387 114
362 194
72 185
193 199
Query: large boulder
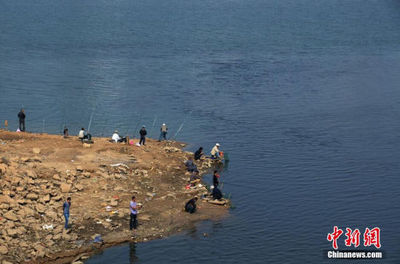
10 216
36 150
32 196
40 250
40 208
3 250
65 187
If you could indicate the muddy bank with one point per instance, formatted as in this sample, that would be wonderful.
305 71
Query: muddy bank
38 172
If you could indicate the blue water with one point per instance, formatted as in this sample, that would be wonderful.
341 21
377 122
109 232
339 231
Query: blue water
304 95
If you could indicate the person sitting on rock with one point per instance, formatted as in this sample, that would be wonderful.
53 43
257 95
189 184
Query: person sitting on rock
85 137
190 206
190 166
82 134
116 137
198 154
216 194
194 178
215 151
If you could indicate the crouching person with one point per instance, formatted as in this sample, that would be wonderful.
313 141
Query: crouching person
190 206
216 193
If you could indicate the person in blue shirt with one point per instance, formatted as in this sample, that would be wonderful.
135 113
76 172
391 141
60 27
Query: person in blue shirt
66 206
190 166
133 209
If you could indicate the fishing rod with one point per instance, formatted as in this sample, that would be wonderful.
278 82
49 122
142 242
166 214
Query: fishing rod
181 126
154 122
90 121
137 125
91 116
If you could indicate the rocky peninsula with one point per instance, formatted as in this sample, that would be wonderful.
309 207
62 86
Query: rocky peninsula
39 171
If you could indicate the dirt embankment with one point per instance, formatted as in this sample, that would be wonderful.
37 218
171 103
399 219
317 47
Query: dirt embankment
38 172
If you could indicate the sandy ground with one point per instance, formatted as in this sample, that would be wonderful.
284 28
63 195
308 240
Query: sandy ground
38 172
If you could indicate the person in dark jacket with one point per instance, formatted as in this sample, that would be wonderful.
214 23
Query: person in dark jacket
21 117
198 153
143 134
216 179
66 132
216 194
190 206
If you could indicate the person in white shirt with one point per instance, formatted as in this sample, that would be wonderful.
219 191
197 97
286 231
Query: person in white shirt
215 151
81 134
117 138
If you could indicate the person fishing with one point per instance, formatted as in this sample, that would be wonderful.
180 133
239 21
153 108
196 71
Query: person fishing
216 179
65 132
190 206
143 134
163 132
215 151
83 136
21 117
116 137
198 154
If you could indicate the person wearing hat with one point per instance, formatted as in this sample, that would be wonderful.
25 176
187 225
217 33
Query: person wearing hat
143 134
116 137
164 131
215 151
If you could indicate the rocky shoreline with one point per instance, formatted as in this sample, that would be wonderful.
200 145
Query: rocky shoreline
38 172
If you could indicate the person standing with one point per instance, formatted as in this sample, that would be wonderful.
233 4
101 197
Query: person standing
164 131
21 117
143 134
216 179
133 209
66 206
65 132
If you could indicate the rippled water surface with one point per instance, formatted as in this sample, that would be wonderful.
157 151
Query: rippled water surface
303 95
